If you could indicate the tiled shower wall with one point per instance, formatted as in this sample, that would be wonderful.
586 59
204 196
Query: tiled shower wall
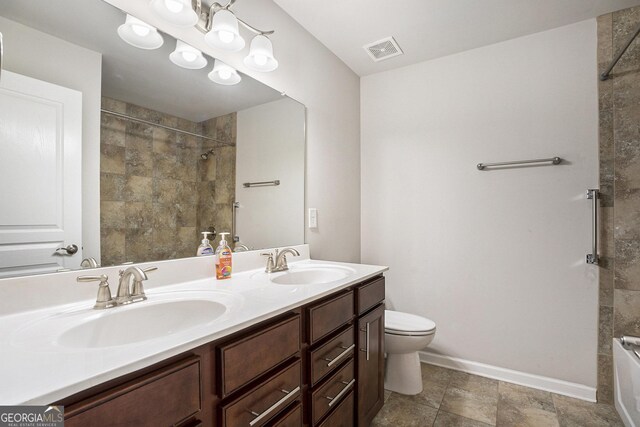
156 193
620 187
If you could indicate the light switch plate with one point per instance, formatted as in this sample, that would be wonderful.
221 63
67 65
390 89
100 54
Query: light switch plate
313 218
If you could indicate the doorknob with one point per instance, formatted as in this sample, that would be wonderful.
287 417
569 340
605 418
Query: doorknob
71 249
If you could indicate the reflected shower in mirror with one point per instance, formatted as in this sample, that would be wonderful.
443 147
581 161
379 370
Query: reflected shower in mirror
164 150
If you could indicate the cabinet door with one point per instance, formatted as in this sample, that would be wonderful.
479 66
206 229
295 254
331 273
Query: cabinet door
370 365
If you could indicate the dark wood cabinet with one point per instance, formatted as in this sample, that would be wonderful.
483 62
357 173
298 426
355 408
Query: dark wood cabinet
321 364
370 395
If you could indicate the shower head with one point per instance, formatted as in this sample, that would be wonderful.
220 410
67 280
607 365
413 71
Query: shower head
205 156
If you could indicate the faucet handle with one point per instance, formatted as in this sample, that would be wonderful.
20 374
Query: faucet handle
104 299
270 264
137 294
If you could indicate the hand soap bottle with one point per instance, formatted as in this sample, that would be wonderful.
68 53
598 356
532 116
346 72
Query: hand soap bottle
223 259
205 247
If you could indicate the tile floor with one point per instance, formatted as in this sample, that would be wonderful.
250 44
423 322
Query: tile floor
452 398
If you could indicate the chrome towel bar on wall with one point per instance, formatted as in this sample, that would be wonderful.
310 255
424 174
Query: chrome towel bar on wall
593 194
261 183
552 161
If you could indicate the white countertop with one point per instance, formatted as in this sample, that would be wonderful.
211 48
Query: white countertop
35 369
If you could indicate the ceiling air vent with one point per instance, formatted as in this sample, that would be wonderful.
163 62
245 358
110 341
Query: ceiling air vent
383 49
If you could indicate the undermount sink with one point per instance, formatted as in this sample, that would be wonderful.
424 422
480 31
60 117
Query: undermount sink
141 323
309 274
162 315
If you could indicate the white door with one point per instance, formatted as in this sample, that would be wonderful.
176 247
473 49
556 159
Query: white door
40 172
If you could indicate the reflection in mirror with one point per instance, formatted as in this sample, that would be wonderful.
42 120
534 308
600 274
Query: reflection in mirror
168 152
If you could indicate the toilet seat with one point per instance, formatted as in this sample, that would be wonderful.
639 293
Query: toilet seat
399 323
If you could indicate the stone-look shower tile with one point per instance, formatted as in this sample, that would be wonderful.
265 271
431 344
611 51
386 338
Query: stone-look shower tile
189 193
167 191
472 397
605 333
626 315
144 113
187 125
112 214
223 217
605 94
606 231
138 189
605 379
112 187
187 164
225 192
138 215
165 242
605 38
112 159
523 406
578 413
627 264
627 215
207 169
139 244
606 283
112 130
445 419
166 166
139 145
112 246
164 216
186 215
402 412
164 142
624 23
188 241
188 141
113 105
168 120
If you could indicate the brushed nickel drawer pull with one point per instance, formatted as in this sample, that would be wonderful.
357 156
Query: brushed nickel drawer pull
340 356
342 392
266 413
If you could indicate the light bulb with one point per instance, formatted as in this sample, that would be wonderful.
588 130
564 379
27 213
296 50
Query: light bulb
226 36
140 30
174 6
260 59
189 56
224 73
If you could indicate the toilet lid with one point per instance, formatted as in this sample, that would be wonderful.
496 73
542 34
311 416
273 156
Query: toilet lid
405 322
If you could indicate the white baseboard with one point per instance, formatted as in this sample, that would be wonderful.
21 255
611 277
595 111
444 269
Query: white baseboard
553 385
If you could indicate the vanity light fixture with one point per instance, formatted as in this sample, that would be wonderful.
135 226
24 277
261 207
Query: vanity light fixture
260 56
187 56
177 12
224 33
140 34
224 74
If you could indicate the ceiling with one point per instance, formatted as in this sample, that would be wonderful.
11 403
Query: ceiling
428 29
141 77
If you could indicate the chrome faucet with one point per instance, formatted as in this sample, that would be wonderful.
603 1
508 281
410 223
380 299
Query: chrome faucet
127 292
278 262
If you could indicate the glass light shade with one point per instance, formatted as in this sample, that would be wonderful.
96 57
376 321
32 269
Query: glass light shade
224 74
224 32
187 56
177 12
260 56
140 34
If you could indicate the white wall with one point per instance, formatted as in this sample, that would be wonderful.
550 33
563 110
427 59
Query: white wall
270 146
44 57
311 74
495 258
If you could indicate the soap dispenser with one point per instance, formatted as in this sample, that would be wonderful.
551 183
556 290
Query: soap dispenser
223 259
205 247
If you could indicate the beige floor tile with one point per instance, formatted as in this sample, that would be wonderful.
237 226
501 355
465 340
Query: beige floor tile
445 419
401 412
526 407
578 413
477 405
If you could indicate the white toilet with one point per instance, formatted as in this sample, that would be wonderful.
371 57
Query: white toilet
404 335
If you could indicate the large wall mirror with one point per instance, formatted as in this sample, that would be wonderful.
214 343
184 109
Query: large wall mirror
165 152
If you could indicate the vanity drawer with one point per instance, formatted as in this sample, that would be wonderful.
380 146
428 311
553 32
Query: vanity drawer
245 359
292 418
369 295
332 392
164 397
328 316
329 356
343 415
262 403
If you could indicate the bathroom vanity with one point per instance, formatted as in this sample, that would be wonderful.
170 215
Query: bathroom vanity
287 355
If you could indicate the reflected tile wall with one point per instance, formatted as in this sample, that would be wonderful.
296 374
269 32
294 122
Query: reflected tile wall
156 192
619 104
